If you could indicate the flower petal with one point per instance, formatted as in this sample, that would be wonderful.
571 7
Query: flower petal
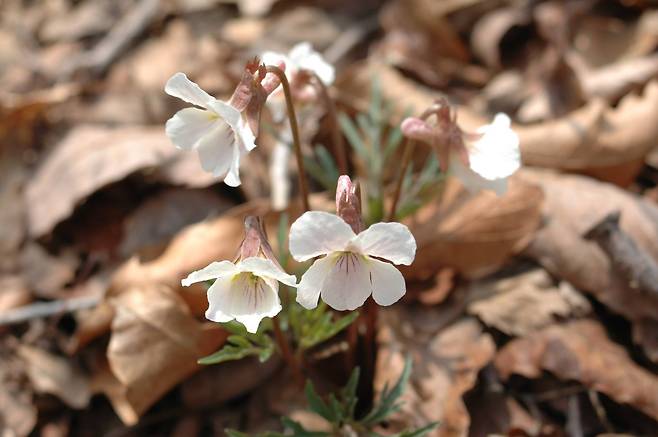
227 112
266 268
387 282
216 149
473 182
391 241
188 126
183 88
302 56
318 233
496 154
308 290
218 295
232 178
252 300
212 271
347 286
246 135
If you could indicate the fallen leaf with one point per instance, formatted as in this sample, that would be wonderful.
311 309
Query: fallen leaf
474 234
155 344
45 274
18 414
13 292
89 158
573 204
55 375
488 32
580 203
446 362
581 351
524 303
594 136
163 215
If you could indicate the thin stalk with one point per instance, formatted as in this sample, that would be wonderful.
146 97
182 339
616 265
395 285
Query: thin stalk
285 351
303 184
407 153
337 137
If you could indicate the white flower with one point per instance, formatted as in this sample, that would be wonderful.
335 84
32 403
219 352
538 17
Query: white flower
218 132
348 273
303 57
482 161
492 158
247 291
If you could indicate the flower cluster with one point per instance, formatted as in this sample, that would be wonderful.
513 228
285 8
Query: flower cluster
350 263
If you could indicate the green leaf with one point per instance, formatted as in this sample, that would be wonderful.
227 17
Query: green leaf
316 404
320 327
353 136
228 353
242 344
348 392
388 400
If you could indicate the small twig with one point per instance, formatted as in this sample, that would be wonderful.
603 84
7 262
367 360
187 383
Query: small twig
46 309
337 138
98 59
303 185
631 262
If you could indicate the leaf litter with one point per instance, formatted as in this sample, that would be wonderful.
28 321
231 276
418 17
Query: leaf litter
509 297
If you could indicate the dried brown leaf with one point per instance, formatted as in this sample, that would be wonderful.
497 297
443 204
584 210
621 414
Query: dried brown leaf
595 135
524 303
154 345
56 375
18 414
581 351
474 234
446 364
89 158
573 204
45 274
162 216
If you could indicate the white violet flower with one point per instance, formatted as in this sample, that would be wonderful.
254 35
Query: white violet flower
247 291
302 57
348 273
492 158
482 161
216 130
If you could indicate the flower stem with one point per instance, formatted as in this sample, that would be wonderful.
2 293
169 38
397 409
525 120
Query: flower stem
285 351
303 184
337 138
407 153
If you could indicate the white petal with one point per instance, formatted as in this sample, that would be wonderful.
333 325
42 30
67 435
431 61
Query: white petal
188 126
273 58
227 112
216 149
308 290
246 135
318 233
183 88
218 295
391 241
279 179
473 182
387 282
347 286
266 268
304 57
212 271
252 300
496 155
232 178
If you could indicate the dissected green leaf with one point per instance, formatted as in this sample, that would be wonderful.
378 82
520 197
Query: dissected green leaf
317 405
388 400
